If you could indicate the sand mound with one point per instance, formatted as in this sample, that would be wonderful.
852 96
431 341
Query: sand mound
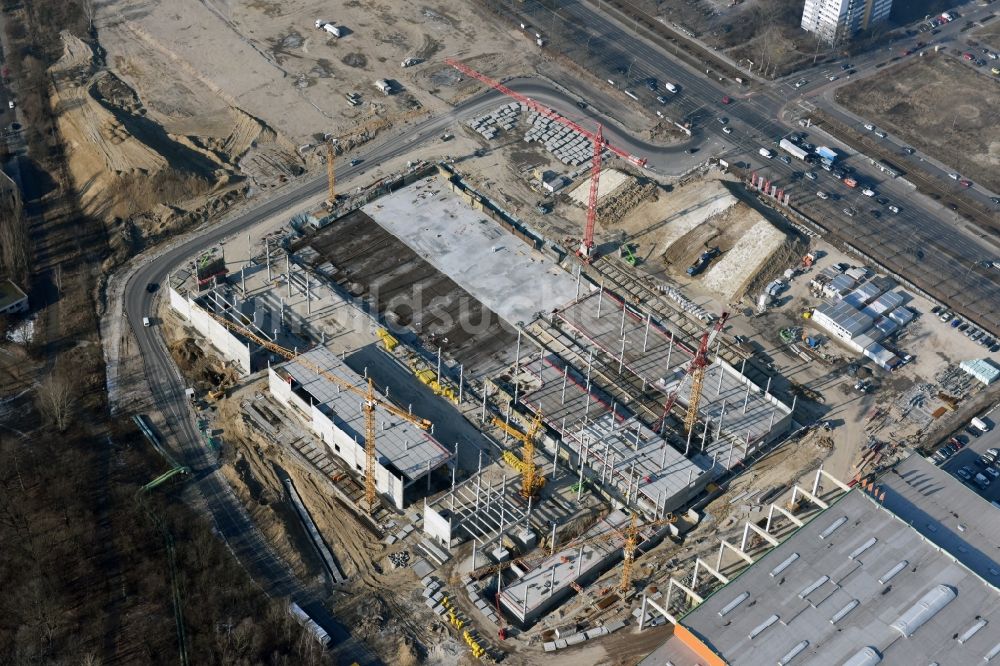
730 275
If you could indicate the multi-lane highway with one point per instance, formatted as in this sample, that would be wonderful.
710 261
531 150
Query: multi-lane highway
924 242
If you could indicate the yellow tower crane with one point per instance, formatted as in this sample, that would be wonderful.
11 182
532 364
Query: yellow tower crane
371 402
372 125
531 483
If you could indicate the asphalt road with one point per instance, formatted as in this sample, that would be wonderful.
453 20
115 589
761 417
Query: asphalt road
925 242
755 119
167 387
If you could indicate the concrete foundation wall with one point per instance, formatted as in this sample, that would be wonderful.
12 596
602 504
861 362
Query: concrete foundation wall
437 526
230 347
338 442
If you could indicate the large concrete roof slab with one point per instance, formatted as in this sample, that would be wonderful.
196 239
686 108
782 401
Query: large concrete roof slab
493 265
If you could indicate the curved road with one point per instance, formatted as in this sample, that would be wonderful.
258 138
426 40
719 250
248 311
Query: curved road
167 386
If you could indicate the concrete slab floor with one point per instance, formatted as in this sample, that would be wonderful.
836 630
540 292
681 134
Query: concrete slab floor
494 266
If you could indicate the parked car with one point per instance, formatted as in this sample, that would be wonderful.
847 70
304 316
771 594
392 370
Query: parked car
992 471
964 472
972 431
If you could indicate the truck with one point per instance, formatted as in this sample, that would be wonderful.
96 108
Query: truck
702 261
326 26
309 624
793 150
764 152
827 153
979 424
670 87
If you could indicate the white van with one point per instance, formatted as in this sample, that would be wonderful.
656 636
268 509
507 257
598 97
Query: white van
145 321
979 424
764 152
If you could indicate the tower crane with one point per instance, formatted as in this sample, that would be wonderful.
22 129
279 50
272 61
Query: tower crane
374 124
370 400
695 371
586 250
531 483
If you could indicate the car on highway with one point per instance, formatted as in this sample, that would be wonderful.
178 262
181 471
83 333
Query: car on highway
651 83
882 200
727 130
725 99
894 209
822 195
868 192
723 120
145 322
909 151
954 176
800 83
869 127
152 287
965 183
811 175
833 77
875 213
880 134
356 161
845 66
849 212
661 99
968 56
785 159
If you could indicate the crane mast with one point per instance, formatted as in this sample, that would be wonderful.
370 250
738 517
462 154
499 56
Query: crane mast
586 250
370 402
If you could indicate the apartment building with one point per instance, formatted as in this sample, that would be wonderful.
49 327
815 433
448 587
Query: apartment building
838 20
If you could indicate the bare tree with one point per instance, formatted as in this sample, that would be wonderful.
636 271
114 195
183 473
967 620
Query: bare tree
57 398
88 11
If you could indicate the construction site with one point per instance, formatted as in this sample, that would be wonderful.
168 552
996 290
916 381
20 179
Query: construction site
497 408
521 425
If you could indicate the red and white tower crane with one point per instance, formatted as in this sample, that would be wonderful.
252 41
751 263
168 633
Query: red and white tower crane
695 370
586 251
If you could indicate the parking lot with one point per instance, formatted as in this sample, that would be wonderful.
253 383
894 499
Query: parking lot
968 456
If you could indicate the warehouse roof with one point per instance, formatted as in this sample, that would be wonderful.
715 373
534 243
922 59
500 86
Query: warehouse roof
982 369
947 513
856 584
402 445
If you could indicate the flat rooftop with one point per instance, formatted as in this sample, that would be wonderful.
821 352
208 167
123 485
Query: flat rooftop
658 357
400 444
10 293
947 513
548 582
367 260
504 273
622 452
855 577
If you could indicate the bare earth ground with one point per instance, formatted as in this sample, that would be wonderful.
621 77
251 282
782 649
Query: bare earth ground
990 36
940 106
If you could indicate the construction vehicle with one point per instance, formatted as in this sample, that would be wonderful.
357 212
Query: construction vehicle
695 370
628 256
370 403
702 262
586 251
531 482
